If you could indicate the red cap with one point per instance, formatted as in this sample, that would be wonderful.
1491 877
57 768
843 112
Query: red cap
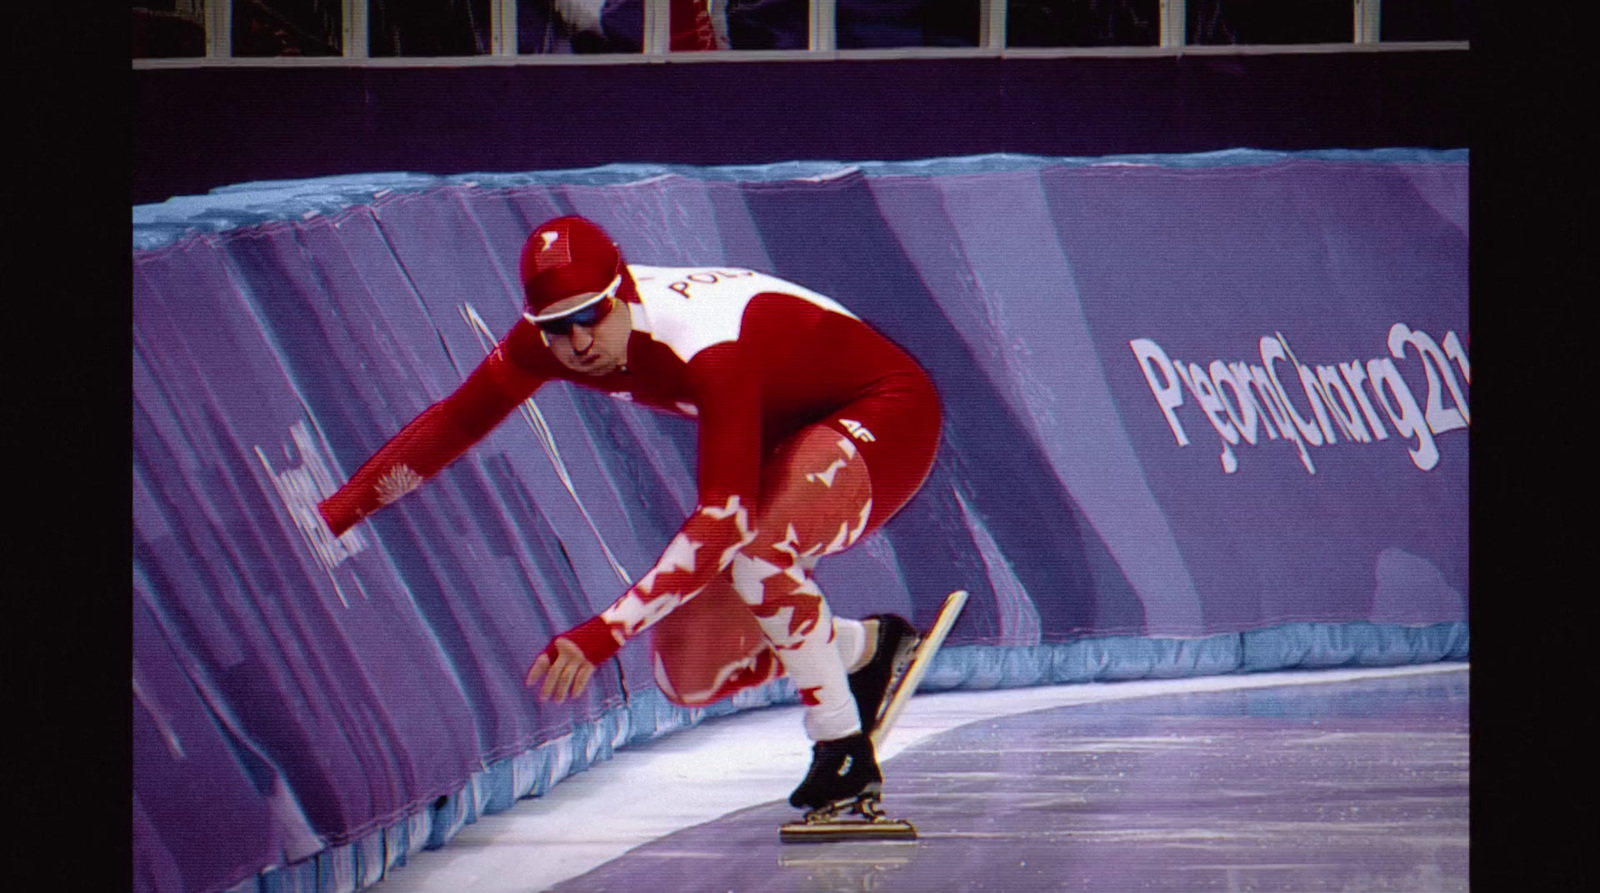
564 257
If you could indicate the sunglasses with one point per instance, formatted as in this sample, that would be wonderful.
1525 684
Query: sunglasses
588 314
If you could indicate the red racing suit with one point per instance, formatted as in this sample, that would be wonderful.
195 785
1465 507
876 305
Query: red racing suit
755 359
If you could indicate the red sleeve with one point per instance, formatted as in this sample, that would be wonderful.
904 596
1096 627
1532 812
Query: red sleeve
727 389
445 430
728 393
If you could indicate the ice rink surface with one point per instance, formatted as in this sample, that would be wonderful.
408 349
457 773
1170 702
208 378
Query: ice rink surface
1328 780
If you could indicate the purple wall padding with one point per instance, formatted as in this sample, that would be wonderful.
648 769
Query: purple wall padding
1181 400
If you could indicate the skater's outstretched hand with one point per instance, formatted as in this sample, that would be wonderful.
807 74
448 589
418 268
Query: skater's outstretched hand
566 673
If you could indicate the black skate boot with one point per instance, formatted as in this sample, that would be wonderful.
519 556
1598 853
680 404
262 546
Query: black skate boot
844 773
842 796
871 685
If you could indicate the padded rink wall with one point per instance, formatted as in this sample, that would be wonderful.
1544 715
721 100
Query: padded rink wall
1204 414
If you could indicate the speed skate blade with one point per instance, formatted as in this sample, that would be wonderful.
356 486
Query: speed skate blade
844 829
920 664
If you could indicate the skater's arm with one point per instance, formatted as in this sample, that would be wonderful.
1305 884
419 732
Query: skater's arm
445 430
728 397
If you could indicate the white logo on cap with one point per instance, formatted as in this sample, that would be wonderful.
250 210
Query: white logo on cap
549 238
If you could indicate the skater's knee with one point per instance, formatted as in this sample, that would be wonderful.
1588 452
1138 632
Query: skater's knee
803 522
817 472
696 681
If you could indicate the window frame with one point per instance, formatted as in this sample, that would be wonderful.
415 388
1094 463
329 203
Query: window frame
822 29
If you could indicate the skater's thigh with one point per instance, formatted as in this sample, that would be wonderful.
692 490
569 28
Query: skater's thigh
896 431
816 494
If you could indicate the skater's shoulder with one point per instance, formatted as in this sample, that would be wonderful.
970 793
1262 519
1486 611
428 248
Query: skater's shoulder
685 289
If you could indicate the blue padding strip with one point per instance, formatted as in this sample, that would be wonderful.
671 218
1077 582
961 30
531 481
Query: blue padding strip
251 204
1360 644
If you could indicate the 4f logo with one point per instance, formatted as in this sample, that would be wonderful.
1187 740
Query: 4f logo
857 430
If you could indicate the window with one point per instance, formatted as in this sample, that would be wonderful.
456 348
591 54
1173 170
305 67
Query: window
288 28
766 24
1262 22
580 26
878 24
1083 23
1425 20
428 28
175 28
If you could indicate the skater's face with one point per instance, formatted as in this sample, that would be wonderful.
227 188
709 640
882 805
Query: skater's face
594 340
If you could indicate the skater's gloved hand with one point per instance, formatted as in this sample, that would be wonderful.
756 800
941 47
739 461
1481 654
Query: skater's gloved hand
571 658
565 671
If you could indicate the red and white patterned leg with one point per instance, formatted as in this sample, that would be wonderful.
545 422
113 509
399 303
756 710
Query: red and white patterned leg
816 497
710 648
